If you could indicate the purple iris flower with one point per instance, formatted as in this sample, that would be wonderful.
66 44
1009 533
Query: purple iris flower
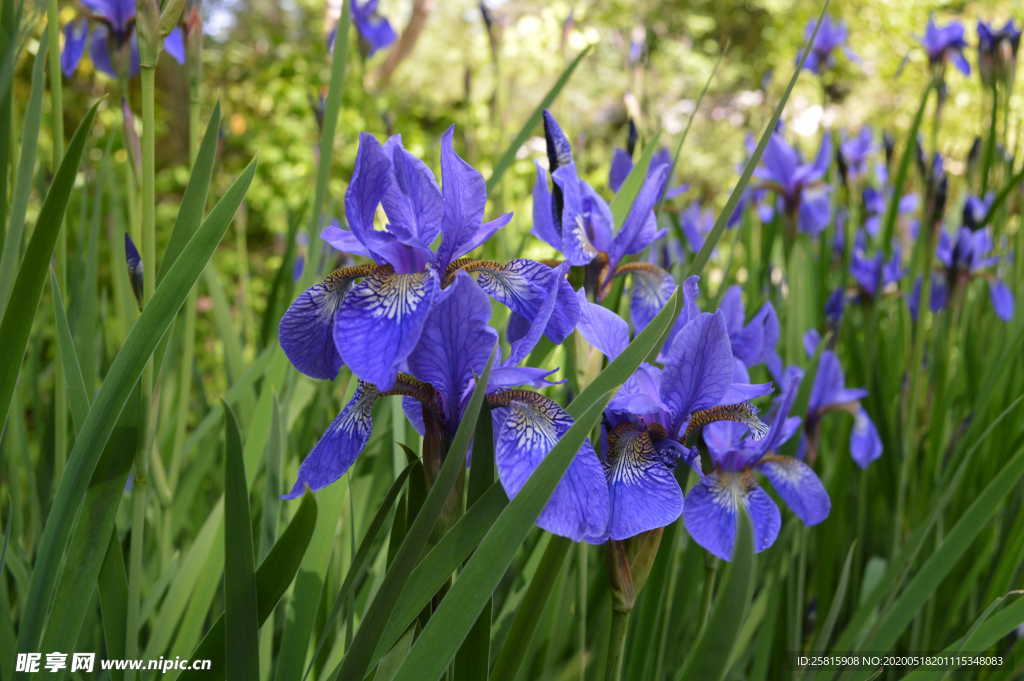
855 151
965 257
997 52
622 165
876 202
713 504
976 210
576 221
114 45
375 31
829 393
371 316
944 43
831 36
659 410
873 274
134 261
452 352
696 223
800 186
755 342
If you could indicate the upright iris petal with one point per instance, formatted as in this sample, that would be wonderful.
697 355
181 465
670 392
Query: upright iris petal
76 33
698 368
374 29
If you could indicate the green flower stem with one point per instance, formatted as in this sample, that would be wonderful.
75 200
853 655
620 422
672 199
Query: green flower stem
617 644
60 409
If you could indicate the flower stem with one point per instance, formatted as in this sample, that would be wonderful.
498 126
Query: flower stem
617 644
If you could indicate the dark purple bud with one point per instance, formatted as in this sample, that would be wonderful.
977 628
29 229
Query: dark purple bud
631 137
134 261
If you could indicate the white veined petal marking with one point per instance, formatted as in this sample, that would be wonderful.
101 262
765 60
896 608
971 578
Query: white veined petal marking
358 414
392 296
579 235
730 489
630 454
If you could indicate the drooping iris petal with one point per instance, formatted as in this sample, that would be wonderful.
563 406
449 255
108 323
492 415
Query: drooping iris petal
523 285
865 443
76 33
306 331
455 343
375 30
602 328
711 509
644 493
799 486
464 194
339 446
698 368
523 345
174 43
815 213
526 430
412 201
1002 298
779 431
380 322
652 287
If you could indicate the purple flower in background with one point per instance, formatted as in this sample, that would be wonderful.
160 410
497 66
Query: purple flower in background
944 43
752 343
873 274
965 256
696 223
713 505
658 410
976 210
375 31
997 52
829 393
370 316
134 261
876 202
854 152
800 186
114 45
832 35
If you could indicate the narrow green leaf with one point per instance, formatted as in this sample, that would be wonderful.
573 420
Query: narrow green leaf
357 660
273 577
509 155
113 587
922 587
78 394
193 201
909 150
748 170
29 135
241 640
96 524
528 614
708 658
453 618
28 287
123 374
361 560
441 562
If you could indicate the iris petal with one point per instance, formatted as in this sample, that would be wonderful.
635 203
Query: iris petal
464 194
799 486
523 286
526 430
76 33
306 331
601 327
339 446
380 322
413 201
652 287
711 510
698 369
644 492
865 444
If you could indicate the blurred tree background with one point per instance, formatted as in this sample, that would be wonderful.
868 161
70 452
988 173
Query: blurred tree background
484 66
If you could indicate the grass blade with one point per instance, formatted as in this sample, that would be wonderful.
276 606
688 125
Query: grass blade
241 656
28 287
273 577
78 393
357 660
113 394
748 170
509 155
